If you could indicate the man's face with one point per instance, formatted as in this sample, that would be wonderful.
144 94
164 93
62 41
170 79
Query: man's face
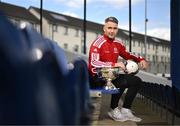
110 29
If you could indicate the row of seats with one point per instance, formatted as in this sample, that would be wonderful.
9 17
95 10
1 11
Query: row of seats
36 86
163 96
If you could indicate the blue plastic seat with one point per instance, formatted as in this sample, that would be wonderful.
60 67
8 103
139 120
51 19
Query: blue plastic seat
36 89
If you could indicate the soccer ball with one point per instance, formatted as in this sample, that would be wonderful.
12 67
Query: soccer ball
131 67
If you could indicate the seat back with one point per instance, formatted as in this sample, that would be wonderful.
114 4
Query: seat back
36 86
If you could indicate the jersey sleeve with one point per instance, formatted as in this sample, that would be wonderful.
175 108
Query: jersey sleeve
128 55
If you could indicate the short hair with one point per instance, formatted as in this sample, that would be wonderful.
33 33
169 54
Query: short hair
112 19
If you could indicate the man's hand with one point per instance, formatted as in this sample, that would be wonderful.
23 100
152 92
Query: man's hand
121 65
143 64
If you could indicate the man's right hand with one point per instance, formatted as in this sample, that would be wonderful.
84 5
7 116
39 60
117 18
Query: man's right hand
121 65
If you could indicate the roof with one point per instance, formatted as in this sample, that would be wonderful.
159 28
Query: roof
17 12
57 18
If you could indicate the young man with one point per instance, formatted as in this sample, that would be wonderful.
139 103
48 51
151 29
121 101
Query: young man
104 52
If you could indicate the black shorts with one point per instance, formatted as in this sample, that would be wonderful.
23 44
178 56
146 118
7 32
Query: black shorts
122 80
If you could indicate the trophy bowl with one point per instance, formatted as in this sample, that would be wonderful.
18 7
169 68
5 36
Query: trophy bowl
109 74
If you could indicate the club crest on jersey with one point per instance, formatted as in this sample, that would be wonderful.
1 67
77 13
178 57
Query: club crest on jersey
95 50
115 50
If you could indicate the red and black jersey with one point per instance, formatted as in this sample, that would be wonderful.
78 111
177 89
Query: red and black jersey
104 52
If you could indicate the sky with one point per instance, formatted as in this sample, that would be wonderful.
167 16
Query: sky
157 11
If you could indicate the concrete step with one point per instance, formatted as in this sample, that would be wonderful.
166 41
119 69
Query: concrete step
140 108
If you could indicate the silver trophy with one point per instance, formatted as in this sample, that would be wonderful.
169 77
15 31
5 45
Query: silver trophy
109 74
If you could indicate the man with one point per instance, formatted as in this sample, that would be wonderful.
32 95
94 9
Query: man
104 52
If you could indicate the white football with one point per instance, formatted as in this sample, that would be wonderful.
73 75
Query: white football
131 67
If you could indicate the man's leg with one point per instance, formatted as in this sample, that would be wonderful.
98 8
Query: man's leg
134 84
115 98
120 83
115 112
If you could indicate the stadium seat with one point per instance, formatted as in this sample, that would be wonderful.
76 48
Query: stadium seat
36 86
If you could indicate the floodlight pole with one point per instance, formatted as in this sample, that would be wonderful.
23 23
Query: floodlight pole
84 27
41 8
145 36
130 37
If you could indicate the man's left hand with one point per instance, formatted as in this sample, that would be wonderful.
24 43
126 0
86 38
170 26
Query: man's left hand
143 64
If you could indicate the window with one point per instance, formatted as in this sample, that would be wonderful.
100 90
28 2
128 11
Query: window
66 30
148 46
127 42
162 59
77 33
148 57
139 44
163 48
156 48
153 46
76 48
97 34
168 59
55 28
134 43
65 46
154 58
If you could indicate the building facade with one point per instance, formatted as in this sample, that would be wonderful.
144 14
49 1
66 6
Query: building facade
68 32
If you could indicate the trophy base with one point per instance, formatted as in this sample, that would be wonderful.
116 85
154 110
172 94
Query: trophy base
110 91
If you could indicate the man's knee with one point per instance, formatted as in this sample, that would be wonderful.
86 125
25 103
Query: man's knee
138 81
